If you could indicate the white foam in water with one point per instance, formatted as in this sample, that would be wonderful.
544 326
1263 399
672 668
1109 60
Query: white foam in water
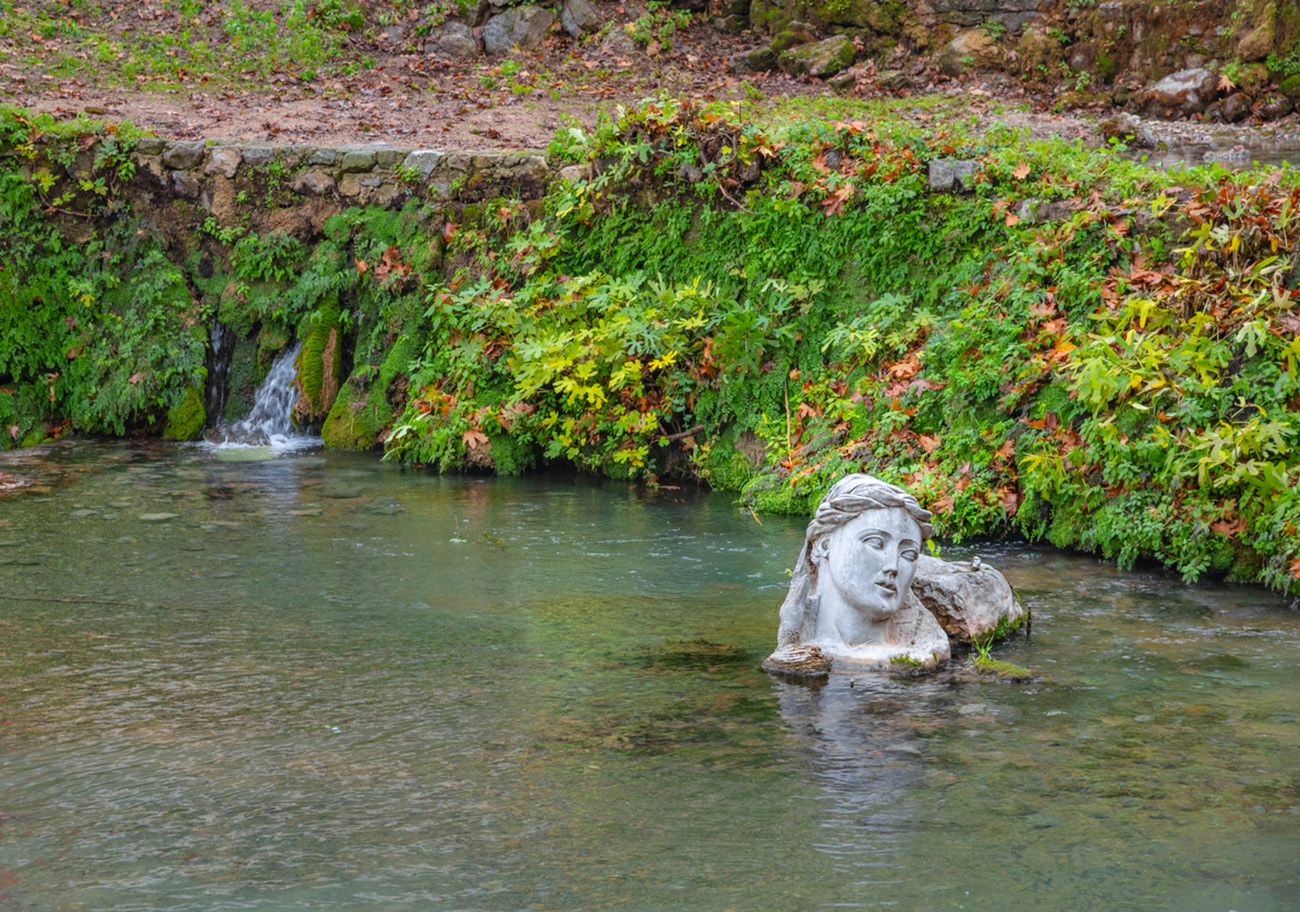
268 429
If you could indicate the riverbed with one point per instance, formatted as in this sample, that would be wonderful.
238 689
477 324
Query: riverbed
317 681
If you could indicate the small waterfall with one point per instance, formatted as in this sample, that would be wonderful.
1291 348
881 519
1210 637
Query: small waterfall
221 347
270 423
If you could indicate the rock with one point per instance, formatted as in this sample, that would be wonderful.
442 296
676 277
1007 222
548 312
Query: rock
574 173
893 80
186 184
423 161
792 36
313 182
150 145
455 41
579 18
1236 107
255 156
186 419
1128 129
183 155
846 81
762 60
224 161
1179 94
967 603
1256 45
821 58
357 160
971 48
1273 106
619 43
523 27
1290 87
948 174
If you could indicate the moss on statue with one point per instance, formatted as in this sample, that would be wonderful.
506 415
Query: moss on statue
186 419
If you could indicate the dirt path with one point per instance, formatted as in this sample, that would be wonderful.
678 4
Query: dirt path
415 99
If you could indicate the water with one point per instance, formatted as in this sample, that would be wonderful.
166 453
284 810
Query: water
283 685
268 429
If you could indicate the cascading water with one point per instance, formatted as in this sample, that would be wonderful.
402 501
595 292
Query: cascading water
270 423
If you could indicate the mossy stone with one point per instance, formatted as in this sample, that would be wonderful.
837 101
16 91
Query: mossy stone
356 419
319 364
185 420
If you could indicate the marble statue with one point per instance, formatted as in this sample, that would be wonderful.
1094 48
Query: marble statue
850 606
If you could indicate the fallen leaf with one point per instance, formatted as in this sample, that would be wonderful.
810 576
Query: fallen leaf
1020 171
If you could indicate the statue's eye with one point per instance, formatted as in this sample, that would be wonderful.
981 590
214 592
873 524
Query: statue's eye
875 541
909 555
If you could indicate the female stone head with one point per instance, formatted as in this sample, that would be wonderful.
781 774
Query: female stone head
856 566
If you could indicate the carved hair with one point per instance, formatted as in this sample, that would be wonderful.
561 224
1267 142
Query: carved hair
847 499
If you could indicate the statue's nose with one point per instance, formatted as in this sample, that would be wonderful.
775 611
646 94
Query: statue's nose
890 572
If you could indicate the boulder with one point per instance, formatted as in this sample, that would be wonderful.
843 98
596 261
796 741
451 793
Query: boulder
183 155
969 599
522 26
819 58
579 18
1273 106
1178 94
1255 45
762 60
1128 129
950 174
455 41
795 34
224 160
971 48
1236 107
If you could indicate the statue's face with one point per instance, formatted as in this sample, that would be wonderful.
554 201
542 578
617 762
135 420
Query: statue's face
870 561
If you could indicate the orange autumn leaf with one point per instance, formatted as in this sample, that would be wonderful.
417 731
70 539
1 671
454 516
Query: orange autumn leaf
1020 171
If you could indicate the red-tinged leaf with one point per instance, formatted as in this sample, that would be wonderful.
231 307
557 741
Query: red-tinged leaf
1006 451
362 266
1229 529
1012 220
135 378
929 443
1021 171
474 438
943 504
449 231
835 200
1010 501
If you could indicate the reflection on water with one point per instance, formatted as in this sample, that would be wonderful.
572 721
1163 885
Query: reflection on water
1225 151
319 682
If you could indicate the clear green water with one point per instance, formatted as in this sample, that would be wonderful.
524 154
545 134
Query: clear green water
297 692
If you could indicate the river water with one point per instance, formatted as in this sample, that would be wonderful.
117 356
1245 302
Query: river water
320 682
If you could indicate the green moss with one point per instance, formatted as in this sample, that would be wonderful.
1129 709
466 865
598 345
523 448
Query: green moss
185 421
320 362
356 419
510 455
1004 671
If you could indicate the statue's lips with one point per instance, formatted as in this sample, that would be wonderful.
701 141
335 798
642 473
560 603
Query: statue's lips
887 586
